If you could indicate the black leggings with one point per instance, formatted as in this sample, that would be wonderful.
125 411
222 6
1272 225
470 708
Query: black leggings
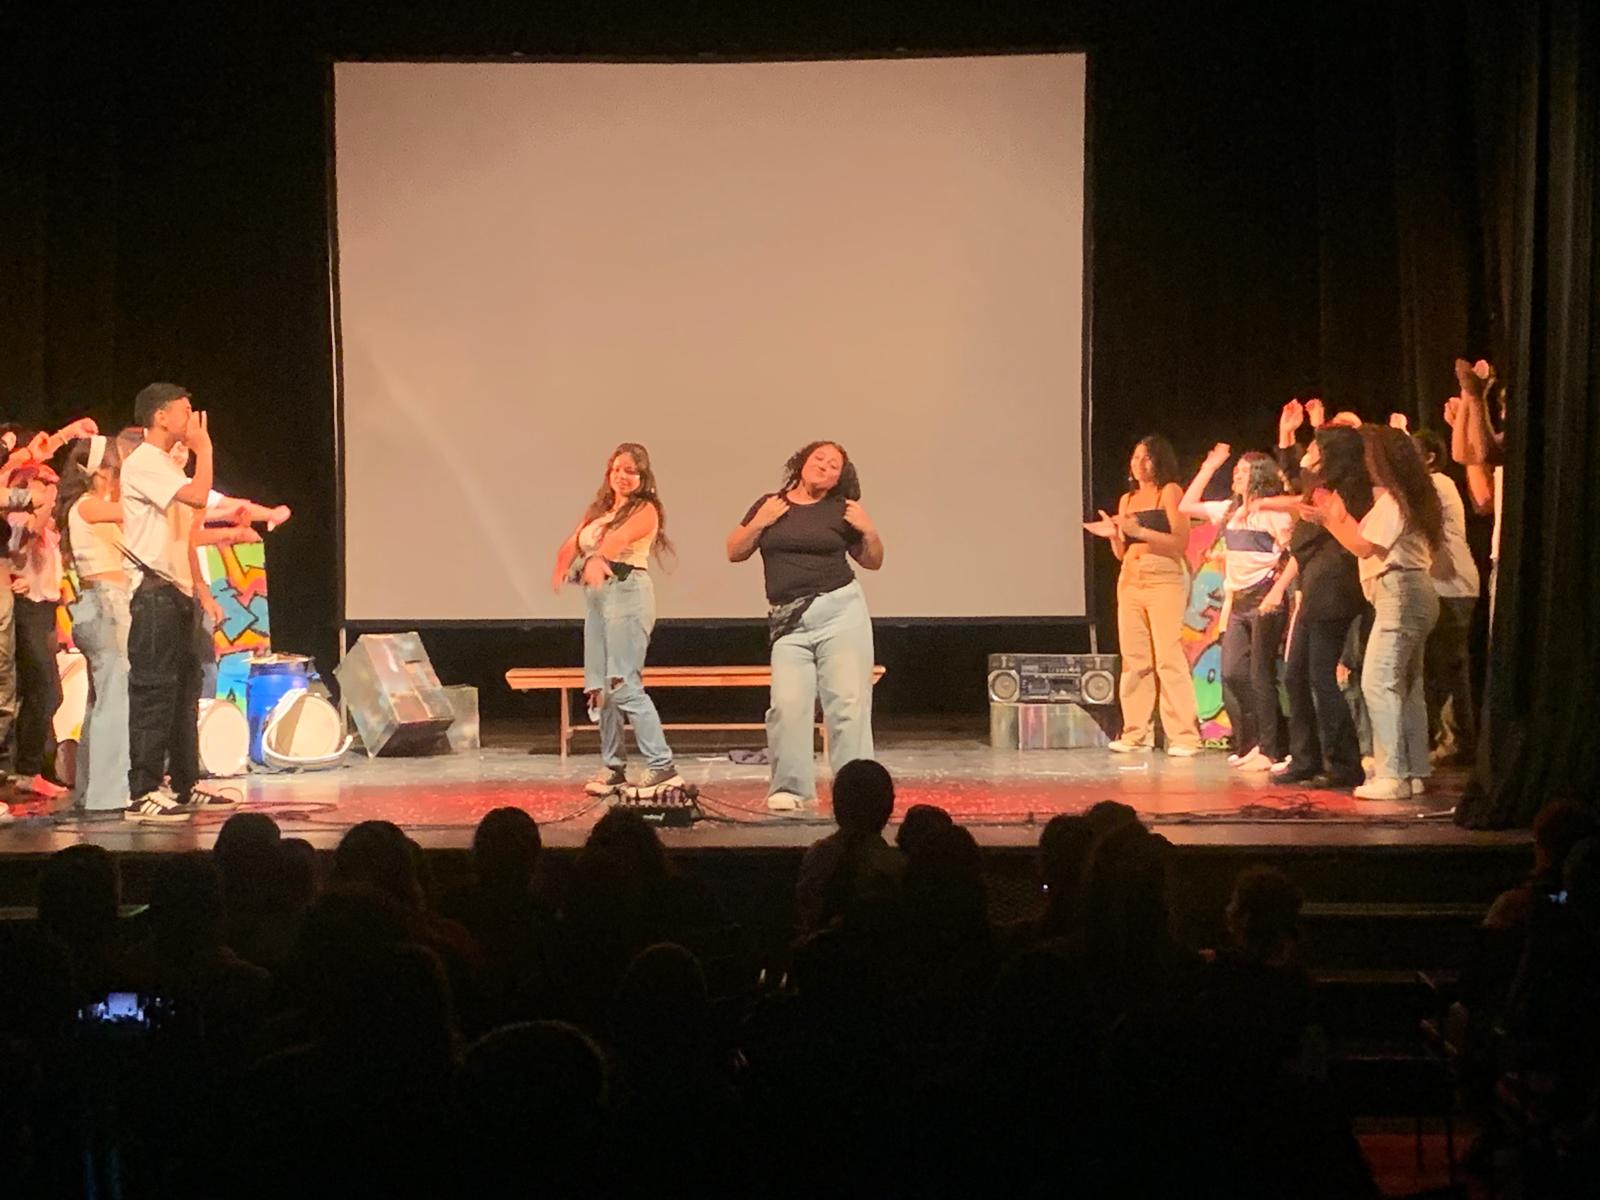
1250 680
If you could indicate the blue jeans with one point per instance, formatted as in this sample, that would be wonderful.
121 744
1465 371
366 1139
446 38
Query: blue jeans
1405 608
617 620
100 621
829 653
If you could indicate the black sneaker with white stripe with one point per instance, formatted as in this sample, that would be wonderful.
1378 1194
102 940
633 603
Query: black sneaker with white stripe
155 808
199 801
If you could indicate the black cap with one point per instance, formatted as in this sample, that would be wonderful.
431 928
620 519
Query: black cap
152 398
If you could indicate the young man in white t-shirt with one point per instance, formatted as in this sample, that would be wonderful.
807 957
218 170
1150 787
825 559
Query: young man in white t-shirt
1447 672
165 643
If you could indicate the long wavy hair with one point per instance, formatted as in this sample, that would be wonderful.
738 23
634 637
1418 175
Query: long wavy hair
1344 468
1394 462
1265 480
849 485
647 494
1163 459
77 481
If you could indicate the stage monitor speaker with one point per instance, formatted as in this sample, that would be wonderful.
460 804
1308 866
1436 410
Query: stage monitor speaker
1089 679
394 697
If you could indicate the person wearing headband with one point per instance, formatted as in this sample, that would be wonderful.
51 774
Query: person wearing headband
89 515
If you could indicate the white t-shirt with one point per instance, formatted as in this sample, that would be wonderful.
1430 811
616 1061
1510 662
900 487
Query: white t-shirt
155 526
1455 575
1254 542
1403 546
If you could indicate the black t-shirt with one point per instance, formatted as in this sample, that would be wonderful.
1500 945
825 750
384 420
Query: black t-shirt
1330 580
802 552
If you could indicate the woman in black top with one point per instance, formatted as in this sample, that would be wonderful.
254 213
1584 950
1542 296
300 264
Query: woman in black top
817 620
1320 725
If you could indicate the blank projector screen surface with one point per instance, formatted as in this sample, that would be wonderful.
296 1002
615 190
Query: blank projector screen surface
722 261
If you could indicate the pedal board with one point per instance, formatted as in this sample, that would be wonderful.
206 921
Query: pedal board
672 808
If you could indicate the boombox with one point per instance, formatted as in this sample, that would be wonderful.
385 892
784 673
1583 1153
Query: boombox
1053 678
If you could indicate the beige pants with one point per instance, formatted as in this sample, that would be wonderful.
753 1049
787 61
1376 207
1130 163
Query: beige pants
1152 594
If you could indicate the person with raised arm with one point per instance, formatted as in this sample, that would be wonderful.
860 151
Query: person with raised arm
818 626
1255 542
1150 537
609 555
165 639
1394 546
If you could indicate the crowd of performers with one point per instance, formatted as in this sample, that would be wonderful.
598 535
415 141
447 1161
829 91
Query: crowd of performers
126 514
1346 570
1345 566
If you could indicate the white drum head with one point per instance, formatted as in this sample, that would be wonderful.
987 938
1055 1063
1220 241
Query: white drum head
224 739
304 727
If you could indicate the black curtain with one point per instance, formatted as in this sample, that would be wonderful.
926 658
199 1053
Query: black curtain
1536 84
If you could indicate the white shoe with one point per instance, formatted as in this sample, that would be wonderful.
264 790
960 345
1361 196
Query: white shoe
1419 787
1183 751
1236 758
153 808
1384 789
1121 746
1255 761
784 802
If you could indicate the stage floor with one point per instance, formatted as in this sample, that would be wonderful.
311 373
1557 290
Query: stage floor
1004 796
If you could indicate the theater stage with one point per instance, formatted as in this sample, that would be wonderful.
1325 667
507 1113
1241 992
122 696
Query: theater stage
1004 796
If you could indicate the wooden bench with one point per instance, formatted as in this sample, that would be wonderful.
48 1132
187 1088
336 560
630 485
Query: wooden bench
570 679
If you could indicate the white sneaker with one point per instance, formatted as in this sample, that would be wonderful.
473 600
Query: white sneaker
1384 789
1183 751
1236 758
784 802
153 808
1255 761
1125 747
1419 787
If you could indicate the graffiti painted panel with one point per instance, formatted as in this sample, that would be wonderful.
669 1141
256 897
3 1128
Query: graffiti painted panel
1202 632
237 577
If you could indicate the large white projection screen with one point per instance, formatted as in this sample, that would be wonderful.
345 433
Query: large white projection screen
724 261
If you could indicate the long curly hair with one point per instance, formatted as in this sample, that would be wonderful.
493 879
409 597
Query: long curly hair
647 494
849 485
1265 480
1344 467
1394 462
1162 458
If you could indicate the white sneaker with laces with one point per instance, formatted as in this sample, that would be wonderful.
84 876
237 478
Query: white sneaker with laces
784 802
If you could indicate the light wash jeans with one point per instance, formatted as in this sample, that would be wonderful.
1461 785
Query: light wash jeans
1406 608
100 623
617 620
829 653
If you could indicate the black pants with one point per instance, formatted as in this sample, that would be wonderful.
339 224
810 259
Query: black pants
1320 725
163 689
1447 676
1250 680
38 684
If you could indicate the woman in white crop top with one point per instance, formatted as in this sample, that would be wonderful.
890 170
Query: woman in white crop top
609 554
89 514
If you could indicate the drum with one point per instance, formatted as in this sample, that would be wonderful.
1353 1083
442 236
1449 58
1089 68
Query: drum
224 739
272 677
303 730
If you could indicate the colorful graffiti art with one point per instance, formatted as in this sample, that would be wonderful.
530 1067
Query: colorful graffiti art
1202 632
237 577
